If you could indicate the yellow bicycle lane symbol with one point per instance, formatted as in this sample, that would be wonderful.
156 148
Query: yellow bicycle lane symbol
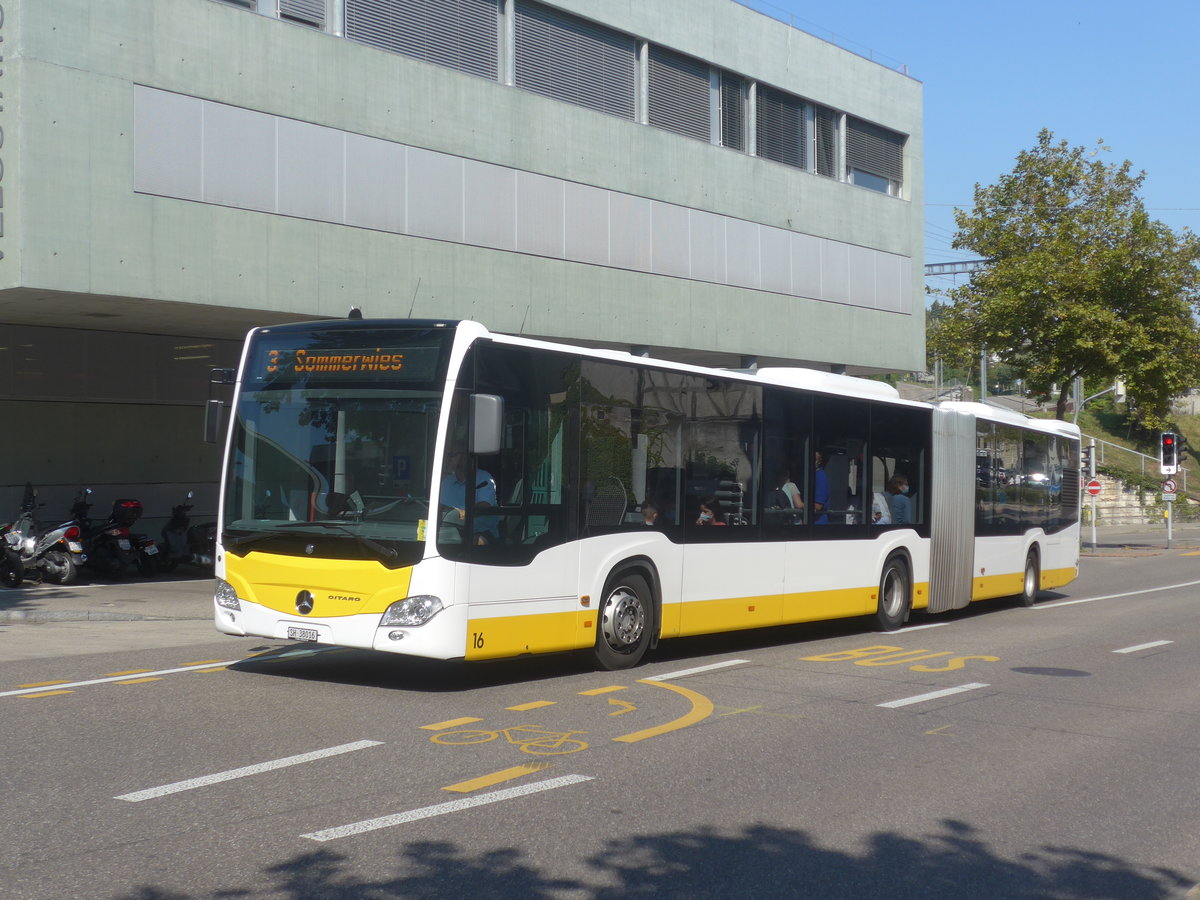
530 738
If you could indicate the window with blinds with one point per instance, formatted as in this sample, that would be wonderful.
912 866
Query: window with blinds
781 128
679 91
874 156
572 59
825 130
733 111
459 34
306 12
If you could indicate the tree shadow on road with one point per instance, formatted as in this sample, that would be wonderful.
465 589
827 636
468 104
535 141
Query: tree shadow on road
756 861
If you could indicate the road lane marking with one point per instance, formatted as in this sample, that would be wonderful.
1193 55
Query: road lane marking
45 694
414 815
126 672
41 684
244 771
1135 649
451 723
112 678
627 706
205 662
670 676
474 784
941 732
139 681
1165 587
536 704
915 627
933 695
595 692
702 708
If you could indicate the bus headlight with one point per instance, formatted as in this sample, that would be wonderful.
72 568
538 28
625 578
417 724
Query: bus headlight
412 611
226 596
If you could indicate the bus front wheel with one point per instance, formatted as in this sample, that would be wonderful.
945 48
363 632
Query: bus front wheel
624 623
1032 581
895 594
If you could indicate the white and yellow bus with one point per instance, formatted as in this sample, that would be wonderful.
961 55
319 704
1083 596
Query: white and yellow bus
432 489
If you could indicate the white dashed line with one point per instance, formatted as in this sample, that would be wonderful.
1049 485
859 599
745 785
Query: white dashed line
934 695
244 771
1138 647
441 809
696 671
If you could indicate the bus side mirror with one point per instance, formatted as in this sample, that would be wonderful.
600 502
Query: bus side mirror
212 421
487 423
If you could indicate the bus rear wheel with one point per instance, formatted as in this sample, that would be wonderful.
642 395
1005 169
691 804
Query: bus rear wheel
624 623
1032 581
895 594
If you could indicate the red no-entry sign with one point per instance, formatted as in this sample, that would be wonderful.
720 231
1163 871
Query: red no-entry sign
1093 487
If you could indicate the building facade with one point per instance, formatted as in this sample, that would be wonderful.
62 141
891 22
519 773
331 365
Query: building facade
686 177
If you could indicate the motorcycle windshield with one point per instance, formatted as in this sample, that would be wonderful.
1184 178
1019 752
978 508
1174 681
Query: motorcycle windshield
332 452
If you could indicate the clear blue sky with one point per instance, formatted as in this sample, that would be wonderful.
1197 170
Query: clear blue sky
995 74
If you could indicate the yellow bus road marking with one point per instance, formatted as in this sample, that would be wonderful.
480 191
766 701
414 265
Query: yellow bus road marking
474 784
206 662
128 672
139 681
940 732
629 707
45 694
451 723
111 678
38 684
595 692
244 771
1191 553
702 708
536 704
727 711
212 669
441 809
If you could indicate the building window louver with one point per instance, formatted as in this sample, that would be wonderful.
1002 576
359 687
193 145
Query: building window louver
306 12
459 34
571 59
825 128
733 111
679 91
781 128
874 151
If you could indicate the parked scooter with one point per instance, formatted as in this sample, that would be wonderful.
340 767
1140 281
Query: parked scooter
183 542
55 554
108 545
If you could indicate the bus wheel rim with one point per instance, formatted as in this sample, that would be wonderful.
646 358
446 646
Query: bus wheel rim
624 619
893 592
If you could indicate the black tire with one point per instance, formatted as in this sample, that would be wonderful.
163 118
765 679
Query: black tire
1032 581
64 571
624 623
12 573
147 565
895 594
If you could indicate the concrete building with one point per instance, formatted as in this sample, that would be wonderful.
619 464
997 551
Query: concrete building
688 177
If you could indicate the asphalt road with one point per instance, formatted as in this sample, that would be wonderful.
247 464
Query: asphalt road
999 753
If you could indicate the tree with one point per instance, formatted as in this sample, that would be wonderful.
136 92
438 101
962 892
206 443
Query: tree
1079 281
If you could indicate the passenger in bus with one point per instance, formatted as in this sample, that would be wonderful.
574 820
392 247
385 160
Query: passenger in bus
651 517
820 498
454 495
786 497
881 510
710 512
897 488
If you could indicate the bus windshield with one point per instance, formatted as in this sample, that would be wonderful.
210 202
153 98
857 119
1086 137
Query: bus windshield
333 443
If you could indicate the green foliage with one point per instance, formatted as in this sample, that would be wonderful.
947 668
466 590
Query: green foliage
1080 282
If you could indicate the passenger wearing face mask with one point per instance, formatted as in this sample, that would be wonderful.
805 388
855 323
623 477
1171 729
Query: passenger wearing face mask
897 488
710 512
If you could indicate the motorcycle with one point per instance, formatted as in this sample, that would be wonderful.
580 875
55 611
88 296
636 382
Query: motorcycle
108 545
183 542
55 553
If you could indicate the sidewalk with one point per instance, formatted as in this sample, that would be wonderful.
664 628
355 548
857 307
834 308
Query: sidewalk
165 598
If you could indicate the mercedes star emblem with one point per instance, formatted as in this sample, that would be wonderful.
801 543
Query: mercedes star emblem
304 603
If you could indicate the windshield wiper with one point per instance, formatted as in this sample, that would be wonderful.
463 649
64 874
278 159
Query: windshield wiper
387 554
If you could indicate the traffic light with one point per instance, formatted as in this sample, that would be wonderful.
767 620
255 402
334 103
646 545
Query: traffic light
1168 453
1085 460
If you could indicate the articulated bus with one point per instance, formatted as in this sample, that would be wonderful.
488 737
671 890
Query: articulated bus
432 489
